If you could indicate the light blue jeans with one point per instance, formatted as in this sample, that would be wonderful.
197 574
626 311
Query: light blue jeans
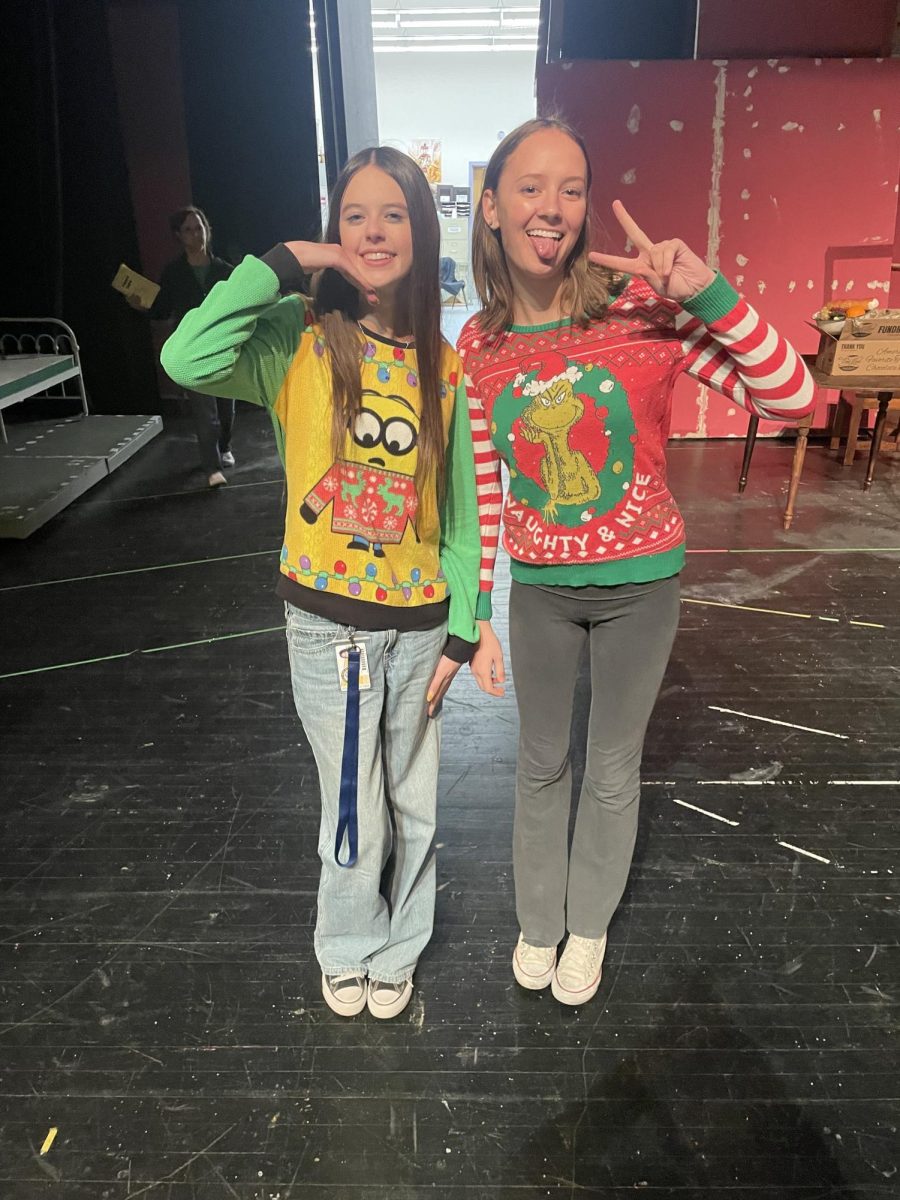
376 917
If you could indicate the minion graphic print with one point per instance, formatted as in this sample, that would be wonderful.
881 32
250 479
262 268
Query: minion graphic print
372 490
358 526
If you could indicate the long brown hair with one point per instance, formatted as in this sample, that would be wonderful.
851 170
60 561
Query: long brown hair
586 290
338 307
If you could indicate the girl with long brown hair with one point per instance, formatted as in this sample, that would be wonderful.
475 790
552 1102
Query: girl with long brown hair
569 372
379 566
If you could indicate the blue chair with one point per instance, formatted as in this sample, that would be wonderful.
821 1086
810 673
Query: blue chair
449 282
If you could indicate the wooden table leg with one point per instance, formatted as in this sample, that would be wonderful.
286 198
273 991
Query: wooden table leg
884 399
796 468
748 451
838 422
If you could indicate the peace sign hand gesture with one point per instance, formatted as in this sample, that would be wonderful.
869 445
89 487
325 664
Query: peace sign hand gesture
671 268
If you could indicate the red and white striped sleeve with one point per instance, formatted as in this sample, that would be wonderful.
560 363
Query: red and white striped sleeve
731 349
489 489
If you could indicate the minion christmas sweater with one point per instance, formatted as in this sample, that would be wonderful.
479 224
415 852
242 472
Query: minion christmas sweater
580 416
363 546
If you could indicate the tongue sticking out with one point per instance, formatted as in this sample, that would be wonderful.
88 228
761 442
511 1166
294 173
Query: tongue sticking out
545 247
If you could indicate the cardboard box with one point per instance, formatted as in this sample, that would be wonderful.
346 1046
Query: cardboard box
867 345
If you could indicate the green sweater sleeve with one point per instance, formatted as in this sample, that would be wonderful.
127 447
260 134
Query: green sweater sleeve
241 340
460 548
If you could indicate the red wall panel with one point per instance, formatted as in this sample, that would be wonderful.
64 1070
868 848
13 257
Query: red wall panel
784 174
736 28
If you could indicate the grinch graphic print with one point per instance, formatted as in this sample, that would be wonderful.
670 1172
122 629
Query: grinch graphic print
568 434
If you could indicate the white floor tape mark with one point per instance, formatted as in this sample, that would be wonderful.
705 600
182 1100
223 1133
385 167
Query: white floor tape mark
808 853
706 812
772 721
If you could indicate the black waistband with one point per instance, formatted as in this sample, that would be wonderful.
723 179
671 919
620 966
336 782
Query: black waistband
361 614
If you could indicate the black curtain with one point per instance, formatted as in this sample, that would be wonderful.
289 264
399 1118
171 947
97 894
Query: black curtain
331 87
249 109
29 237
69 221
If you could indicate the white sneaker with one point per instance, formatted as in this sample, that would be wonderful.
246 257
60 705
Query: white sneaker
533 965
345 994
388 999
580 967
227 459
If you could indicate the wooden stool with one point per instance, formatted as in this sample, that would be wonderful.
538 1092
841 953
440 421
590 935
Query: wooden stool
848 419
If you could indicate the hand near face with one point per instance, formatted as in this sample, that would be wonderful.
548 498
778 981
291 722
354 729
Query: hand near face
671 268
321 256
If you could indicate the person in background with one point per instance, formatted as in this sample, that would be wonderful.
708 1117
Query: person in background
184 284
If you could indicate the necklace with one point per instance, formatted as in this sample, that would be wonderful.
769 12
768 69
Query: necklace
381 334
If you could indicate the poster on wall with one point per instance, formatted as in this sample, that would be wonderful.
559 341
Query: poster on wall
427 153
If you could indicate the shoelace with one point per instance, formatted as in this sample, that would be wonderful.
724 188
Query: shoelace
335 982
537 956
582 955
396 988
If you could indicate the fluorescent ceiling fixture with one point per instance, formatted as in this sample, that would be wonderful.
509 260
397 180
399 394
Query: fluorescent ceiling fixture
404 24
493 25
416 38
450 12
452 48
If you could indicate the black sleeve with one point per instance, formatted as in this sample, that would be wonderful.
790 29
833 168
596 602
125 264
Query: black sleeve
223 269
161 308
459 649
290 274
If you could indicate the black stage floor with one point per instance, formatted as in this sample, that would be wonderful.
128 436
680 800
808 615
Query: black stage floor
160 1003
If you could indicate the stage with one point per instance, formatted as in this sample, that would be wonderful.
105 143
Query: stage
160 1000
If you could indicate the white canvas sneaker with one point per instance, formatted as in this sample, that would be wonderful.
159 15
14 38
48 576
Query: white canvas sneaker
388 999
533 966
345 994
580 968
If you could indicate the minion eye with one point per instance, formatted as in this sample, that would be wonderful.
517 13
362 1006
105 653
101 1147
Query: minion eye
367 429
399 436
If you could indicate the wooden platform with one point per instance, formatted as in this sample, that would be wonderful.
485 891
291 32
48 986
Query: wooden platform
45 465
159 997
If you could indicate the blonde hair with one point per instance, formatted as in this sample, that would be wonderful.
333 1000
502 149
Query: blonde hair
585 293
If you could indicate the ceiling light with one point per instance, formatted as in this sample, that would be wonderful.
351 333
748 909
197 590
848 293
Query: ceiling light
404 24
452 48
450 12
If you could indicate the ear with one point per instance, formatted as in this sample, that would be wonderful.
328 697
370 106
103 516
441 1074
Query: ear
489 208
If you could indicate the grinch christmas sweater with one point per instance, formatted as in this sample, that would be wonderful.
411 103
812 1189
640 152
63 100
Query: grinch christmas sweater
581 416
364 545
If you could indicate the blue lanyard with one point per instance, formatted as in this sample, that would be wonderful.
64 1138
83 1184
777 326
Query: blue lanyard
349 766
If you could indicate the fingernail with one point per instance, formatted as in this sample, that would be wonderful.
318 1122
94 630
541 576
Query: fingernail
429 697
